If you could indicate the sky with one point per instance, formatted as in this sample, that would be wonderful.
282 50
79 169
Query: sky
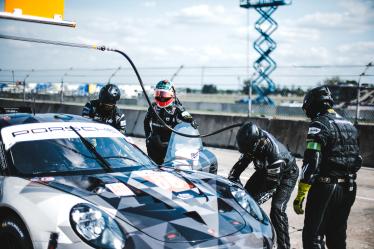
208 37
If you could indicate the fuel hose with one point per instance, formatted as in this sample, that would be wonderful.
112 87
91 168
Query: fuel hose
105 48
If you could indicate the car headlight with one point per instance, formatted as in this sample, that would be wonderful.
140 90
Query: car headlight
96 227
247 203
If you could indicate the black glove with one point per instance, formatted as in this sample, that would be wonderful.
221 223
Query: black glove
194 124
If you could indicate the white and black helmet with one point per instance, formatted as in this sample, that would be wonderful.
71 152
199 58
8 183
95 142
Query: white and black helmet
109 94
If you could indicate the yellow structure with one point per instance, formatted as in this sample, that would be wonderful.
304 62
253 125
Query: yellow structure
53 9
39 11
91 88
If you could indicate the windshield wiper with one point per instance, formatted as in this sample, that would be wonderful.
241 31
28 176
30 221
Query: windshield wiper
121 157
104 163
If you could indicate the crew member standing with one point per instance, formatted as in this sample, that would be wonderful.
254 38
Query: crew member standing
170 110
104 109
331 161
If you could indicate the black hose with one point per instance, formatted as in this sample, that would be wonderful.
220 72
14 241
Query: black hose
103 48
155 113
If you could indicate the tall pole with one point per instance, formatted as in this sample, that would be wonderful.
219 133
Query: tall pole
359 91
176 73
113 74
62 85
24 85
249 80
202 77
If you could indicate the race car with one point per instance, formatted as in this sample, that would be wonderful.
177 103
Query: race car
67 182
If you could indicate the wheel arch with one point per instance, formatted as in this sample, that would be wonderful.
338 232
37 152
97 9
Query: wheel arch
9 212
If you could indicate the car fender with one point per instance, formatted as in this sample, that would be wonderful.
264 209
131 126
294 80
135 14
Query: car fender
44 210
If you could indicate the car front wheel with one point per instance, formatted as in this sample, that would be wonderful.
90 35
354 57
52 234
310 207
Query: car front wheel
13 234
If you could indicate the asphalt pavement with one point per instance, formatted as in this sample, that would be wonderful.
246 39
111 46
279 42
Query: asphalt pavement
361 221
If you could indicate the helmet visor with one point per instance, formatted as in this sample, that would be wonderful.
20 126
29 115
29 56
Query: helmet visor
164 98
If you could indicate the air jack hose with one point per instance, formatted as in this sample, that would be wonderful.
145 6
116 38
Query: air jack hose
104 48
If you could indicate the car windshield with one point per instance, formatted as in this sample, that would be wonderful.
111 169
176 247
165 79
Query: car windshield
183 150
67 153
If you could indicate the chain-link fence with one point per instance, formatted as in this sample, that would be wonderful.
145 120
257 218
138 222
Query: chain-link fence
73 85
366 113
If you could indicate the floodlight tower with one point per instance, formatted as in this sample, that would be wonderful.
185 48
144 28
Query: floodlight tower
264 45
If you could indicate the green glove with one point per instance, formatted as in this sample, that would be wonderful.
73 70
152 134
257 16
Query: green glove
301 194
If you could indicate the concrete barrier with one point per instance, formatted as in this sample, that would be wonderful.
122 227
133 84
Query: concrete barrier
271 111
130 116
366 141
289 132
139 125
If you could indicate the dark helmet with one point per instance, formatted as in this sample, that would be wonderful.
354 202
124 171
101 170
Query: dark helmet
109 94
248 138
317 100
164 93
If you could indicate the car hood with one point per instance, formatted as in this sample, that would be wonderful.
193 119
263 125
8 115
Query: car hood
165 204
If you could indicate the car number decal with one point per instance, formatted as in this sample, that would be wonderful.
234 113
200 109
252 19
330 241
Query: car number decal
164 180
119 189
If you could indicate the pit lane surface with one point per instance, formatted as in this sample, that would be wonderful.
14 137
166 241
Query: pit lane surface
361 221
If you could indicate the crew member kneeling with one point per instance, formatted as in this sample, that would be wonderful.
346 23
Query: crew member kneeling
276 174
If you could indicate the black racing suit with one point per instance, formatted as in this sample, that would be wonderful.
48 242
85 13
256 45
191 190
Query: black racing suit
157 136
114 117
331 161
275 176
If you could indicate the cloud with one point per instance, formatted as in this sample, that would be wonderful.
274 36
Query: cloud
356 53
203 14
295 34
290 54
149 4
358 47
353 16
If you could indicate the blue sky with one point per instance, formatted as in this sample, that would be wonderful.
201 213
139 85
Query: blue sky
195 33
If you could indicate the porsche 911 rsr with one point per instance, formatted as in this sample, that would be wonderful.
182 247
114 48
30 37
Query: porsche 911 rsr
69 183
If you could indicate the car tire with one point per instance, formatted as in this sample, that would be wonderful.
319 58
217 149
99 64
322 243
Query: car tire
14 234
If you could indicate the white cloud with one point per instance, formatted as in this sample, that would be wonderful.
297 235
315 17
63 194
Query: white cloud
202 15
290 54
323 20
354 16
296 34
149 4
356 53
358 47
152 51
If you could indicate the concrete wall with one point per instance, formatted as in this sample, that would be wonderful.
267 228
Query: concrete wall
366 113
289 132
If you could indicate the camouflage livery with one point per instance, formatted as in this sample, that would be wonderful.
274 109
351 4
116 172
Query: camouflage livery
154 208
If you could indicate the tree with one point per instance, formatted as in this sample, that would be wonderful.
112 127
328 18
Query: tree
209 89
299 92
336 81
245 89
333 81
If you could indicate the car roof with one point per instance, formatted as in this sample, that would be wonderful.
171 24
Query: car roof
10 119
